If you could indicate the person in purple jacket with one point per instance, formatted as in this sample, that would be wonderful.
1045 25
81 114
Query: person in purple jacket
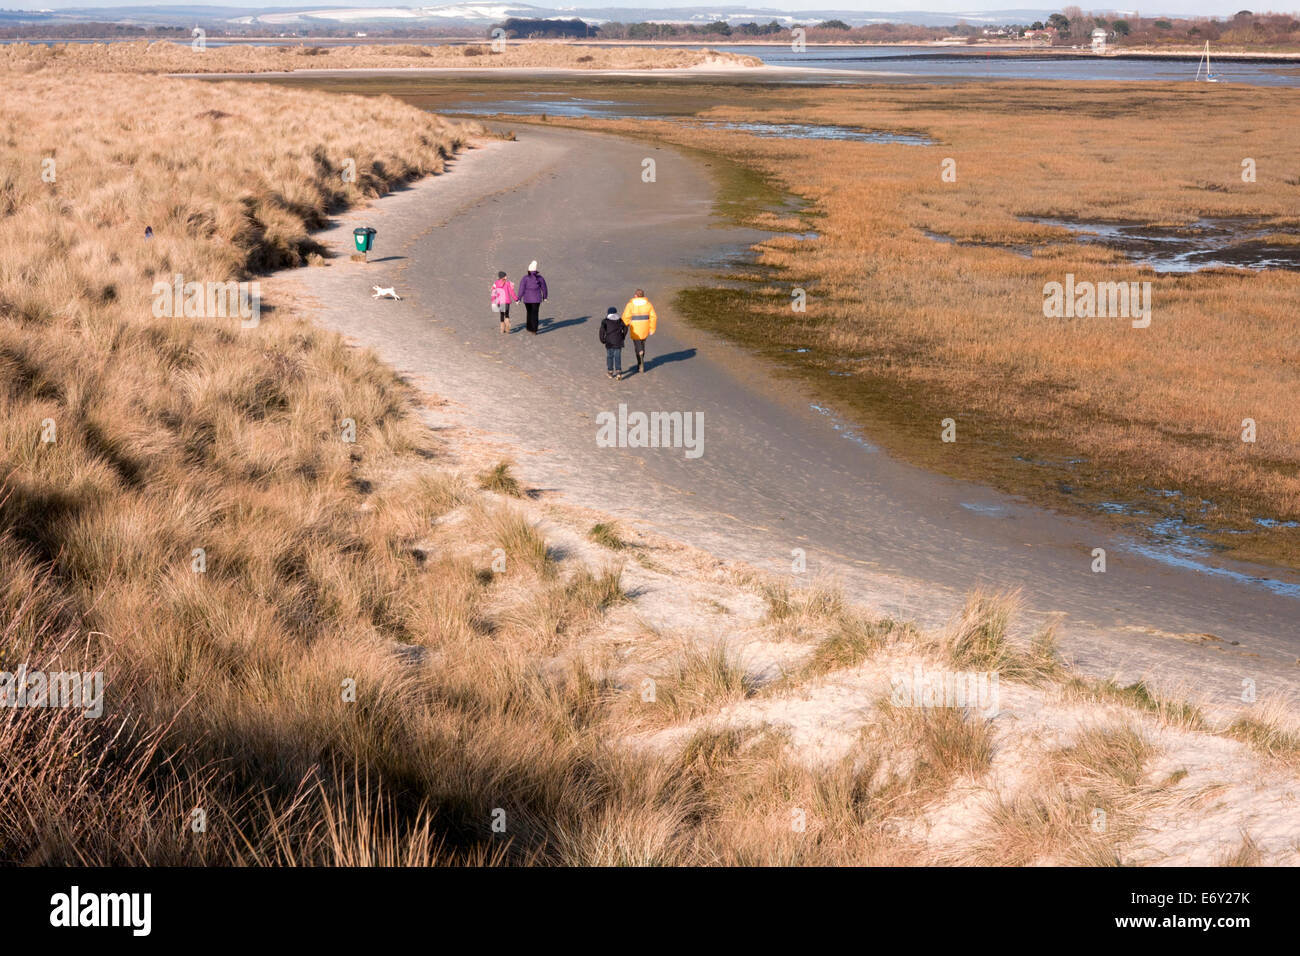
532 293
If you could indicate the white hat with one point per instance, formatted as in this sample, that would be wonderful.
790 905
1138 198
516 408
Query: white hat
532 266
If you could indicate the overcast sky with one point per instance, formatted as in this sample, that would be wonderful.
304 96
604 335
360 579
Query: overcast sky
1189 7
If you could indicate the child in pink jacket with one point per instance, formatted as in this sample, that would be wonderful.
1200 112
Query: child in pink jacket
503 293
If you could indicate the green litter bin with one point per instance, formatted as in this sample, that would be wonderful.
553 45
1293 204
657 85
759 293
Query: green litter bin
364 237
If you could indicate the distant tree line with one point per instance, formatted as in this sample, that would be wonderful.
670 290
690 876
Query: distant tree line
86 31
827 31
525 28
1243 28
1072 27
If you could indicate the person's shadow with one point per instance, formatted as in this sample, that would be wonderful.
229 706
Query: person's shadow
550 325
681 356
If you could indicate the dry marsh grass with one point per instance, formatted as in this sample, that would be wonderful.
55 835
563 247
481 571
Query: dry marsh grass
1070 411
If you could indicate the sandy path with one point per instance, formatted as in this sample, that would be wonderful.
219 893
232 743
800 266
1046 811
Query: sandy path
776 473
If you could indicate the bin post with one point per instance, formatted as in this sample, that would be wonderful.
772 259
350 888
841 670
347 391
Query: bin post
364 238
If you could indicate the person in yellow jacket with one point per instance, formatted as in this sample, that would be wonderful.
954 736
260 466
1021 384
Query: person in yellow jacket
641 320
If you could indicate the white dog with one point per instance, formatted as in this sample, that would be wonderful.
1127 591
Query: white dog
390 293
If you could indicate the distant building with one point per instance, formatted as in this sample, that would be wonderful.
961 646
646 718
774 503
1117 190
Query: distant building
1099 40
1047 33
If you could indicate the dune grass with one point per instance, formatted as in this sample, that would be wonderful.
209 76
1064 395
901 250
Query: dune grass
163 56
938 744
181 506
609 535
501 479
1083 808
1167 709
850 643
1272 732
703 679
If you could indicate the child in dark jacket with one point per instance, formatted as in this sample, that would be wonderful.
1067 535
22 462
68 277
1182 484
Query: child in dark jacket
612 334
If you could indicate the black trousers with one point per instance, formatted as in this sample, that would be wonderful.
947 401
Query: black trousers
638 345
532 308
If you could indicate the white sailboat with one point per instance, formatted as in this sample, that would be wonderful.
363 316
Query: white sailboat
1210 75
